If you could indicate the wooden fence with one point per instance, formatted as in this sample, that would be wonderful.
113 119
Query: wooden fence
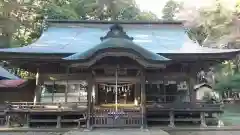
123 117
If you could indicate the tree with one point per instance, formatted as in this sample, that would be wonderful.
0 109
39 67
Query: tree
27 16
25 22
170 9
146 16
209 25
122 10
115 7
217 26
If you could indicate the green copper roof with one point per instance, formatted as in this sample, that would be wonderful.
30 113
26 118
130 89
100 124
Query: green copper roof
79 37
117 39
118 43
5 75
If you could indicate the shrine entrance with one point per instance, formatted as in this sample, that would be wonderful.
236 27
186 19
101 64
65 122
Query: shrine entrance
118 69
116 89
116 83
107 95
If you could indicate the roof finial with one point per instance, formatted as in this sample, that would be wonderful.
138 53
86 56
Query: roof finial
116 31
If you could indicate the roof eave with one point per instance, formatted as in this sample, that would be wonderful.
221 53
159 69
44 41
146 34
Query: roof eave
114 22
173 56
201 56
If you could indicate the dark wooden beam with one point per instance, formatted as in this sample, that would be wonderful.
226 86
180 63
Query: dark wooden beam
77 76
132 79
191 57
166 76
143 99
104 66
90 81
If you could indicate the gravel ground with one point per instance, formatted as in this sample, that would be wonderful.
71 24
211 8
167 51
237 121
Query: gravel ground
30 133
97 132
118 132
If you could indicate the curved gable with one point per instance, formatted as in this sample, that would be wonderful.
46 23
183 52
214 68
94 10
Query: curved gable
119 45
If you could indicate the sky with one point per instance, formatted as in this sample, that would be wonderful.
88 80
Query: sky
156 6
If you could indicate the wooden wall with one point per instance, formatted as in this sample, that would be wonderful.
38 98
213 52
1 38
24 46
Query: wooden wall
25 93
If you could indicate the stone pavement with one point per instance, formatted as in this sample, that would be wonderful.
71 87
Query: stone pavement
127 132
119 132
136 131
94 132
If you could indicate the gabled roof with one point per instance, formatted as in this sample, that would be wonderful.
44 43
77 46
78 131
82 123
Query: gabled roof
117 39
70 37
198 86
11 83
5 75
116 43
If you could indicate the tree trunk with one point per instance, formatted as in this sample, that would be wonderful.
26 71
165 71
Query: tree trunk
113 10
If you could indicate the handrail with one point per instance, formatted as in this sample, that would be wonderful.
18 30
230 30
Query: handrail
176 95
185 105
42 102
32 105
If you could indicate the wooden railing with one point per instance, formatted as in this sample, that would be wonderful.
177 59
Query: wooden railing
29 113
31 106
44 103
123 117
2 114
167 98
183 112
185 106
74 112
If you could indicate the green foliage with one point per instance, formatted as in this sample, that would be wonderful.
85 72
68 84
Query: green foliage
211 24
21 23
216 26
170 9
197 34
227 77
24 74
229 82
27 16
146 16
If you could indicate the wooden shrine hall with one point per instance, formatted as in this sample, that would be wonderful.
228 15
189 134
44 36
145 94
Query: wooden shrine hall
113 74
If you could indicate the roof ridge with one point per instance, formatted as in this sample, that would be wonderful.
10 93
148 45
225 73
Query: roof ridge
113 22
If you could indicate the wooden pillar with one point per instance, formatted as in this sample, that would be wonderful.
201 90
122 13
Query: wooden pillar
53 89
96 94
37 94
143 100
136 94
27 122
89 99
8 121
66 89
192 92
220 122
171 119
192 74
164 91
203 119
7 115
58 121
